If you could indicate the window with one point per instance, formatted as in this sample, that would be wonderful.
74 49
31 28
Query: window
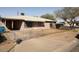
34 24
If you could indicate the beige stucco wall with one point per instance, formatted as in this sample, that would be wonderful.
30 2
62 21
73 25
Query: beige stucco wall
53 25
47 25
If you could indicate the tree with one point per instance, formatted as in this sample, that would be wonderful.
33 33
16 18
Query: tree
68 13
48 16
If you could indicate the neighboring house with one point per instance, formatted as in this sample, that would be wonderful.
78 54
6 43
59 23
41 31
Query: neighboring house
67 22
77 20
24 22
59 22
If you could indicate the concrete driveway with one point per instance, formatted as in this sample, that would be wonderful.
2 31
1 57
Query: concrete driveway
63 41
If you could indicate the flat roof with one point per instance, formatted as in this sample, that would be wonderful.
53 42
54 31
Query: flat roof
27 18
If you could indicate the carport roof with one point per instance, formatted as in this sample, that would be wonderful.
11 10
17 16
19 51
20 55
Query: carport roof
28 18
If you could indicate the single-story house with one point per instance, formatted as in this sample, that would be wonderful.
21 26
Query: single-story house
23 22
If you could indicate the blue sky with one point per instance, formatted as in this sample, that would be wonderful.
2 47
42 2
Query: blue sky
31 11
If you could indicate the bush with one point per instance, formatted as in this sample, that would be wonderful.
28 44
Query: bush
2 38
18 41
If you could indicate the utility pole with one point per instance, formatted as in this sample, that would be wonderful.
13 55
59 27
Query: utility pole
17 13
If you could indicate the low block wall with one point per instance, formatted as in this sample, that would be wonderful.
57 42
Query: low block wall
31 33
